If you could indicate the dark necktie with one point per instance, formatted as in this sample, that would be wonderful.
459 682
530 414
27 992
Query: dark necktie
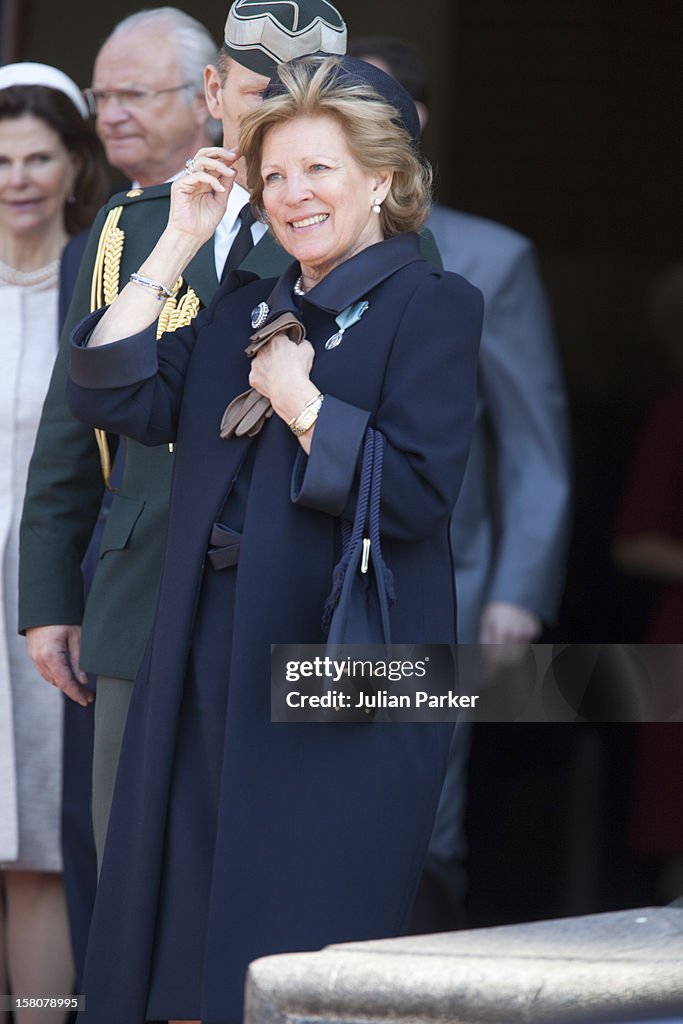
242 243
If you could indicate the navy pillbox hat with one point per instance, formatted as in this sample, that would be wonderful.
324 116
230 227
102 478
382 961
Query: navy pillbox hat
352 70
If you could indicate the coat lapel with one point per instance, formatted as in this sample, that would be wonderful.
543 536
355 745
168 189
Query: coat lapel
200 273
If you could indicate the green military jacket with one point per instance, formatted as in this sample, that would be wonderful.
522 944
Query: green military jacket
65 482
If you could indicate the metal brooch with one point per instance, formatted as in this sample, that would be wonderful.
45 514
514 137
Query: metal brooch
259 315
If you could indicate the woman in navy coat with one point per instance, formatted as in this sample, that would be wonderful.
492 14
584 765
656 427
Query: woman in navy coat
232 837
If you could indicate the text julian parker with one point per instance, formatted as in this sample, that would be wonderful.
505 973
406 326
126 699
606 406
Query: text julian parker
381 699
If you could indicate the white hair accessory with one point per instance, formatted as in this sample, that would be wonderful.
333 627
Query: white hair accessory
29 73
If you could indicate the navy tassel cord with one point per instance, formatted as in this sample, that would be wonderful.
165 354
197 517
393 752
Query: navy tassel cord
365 523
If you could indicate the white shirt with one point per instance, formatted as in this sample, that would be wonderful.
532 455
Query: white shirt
226 232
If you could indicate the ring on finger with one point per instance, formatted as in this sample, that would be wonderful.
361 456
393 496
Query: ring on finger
190 167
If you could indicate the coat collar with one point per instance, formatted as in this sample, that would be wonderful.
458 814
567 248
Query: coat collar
351 280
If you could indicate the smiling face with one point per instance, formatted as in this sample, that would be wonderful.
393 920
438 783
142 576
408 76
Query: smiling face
150 140
318 197
37 173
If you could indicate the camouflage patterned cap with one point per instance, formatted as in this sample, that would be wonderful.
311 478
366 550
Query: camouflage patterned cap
261 35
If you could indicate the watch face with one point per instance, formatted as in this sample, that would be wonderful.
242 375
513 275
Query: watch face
306 418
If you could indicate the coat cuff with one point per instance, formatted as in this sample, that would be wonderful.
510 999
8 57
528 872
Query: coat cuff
323 479
117 365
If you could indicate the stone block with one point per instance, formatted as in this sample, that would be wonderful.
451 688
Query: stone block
615 967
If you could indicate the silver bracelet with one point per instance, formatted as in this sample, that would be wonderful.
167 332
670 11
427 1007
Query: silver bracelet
161 290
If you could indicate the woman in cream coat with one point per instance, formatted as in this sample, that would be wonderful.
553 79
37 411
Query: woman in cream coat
51 182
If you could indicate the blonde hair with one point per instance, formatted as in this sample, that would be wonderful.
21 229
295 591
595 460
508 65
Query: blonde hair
314 88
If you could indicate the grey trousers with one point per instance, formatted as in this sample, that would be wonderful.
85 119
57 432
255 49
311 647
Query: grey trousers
111 709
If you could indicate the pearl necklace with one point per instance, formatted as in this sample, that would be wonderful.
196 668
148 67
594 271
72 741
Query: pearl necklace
33 280
298 288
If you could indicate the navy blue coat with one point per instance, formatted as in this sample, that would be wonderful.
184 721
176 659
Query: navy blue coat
322 828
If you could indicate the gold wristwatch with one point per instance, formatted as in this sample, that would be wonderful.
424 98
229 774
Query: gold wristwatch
307 417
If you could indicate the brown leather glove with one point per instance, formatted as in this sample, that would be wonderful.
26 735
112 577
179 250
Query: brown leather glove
247 413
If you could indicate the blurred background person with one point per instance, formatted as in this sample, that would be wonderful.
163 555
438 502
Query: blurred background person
648 544
148 93
52 181
648 535
510 526
147 97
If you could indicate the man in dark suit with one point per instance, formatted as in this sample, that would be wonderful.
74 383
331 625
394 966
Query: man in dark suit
65 481
510 525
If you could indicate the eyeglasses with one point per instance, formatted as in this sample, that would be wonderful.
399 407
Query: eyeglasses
129 99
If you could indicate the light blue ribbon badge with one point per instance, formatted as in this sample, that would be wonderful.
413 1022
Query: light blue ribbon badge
347 318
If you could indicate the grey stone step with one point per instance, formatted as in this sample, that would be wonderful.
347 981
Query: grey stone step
615 967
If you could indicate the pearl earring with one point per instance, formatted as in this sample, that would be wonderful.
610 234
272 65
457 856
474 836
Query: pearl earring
376 206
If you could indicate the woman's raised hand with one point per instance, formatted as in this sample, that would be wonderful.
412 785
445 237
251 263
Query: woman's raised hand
200 195
198 201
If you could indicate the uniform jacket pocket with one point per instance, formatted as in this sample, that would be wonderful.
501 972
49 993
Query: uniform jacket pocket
123 515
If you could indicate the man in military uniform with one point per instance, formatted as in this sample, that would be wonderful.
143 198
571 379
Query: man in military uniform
65 485
148 93
151 112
